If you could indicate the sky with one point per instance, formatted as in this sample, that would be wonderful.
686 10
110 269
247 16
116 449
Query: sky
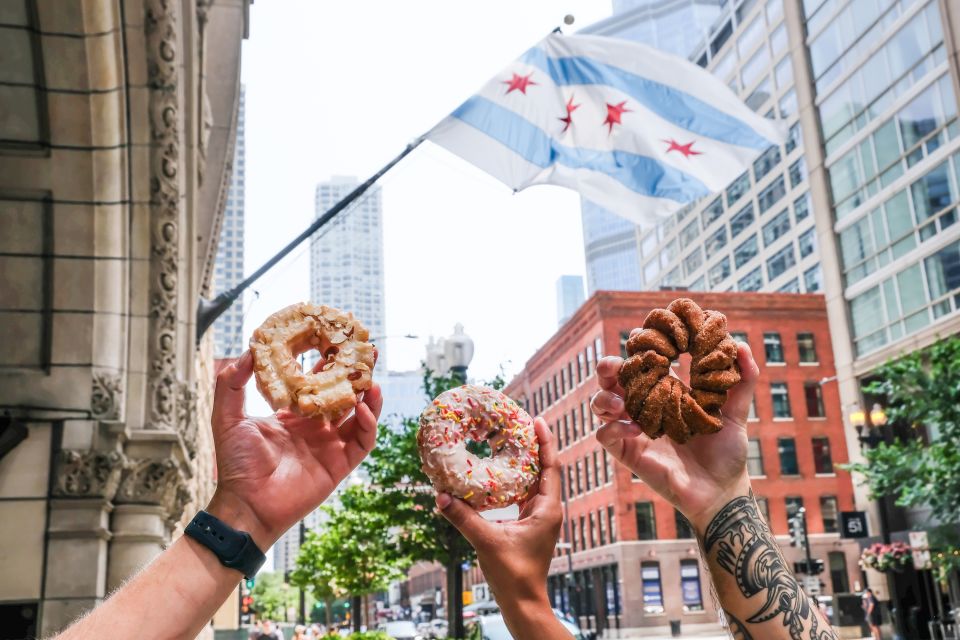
340 88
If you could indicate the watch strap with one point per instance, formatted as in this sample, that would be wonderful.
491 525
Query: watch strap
234 549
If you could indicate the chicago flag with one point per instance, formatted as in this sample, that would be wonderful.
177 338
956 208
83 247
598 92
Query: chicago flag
638 131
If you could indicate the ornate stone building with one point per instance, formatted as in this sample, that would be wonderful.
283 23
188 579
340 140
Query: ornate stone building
117 130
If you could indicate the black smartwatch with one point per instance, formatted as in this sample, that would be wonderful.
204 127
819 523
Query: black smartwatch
235 549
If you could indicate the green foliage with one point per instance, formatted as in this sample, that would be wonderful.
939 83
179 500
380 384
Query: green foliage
368 635
921 389
355 552
272 597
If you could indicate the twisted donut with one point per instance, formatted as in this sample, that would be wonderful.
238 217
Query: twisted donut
663 404
346 371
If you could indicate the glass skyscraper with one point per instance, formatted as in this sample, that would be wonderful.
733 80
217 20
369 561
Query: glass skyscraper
346 257
228 338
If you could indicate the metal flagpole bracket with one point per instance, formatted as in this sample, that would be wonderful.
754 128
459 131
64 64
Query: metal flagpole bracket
209 310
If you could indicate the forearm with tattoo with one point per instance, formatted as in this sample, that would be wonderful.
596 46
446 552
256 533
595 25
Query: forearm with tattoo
753 582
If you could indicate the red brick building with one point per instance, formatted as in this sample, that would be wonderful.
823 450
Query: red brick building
633 558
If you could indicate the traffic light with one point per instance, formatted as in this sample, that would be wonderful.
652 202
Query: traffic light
800 567
796 531
250 582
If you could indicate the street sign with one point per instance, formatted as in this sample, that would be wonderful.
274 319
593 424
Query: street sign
811 585
921 549
853 524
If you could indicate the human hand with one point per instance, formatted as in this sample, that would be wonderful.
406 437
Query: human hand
273 471
698 477
515 556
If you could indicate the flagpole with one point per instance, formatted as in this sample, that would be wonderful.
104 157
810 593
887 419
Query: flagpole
209 310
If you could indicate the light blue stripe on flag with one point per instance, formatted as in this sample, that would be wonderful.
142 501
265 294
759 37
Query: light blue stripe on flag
642 174
669 103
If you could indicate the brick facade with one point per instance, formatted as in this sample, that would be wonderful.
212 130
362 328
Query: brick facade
607 558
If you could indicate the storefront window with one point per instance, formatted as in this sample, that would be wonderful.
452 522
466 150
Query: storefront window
690 586
652 588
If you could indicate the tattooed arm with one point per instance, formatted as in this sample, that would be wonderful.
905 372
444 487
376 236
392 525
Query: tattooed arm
707 481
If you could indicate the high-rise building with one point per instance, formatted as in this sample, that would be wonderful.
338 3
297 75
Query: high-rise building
228 338
611 244
569 297
859 203
633 559
346 257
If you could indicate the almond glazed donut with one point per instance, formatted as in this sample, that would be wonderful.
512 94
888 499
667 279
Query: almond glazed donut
661 403
480 414
341 339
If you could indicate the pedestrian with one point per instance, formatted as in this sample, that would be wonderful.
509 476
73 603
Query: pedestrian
269 631
871 613
300 632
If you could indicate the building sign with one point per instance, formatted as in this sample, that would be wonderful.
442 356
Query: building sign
652 592
921 549
853 524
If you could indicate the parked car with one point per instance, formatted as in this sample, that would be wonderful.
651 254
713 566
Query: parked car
401 630
493 627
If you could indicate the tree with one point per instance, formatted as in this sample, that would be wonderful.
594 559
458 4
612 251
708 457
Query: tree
921 389
354 553
272 596
406 494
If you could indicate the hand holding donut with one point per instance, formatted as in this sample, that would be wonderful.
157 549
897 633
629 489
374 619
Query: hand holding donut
272 471
698 477
515 556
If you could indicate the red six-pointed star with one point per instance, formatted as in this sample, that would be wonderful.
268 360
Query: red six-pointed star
685 149
614 113
567 120
519 83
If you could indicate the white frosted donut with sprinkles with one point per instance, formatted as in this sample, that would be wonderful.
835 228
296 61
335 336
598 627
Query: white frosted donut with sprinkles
480 414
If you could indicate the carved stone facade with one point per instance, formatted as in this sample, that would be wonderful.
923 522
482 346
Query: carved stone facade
112 172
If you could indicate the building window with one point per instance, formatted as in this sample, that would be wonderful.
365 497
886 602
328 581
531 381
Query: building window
693 261
583 532
771 195
807 242
742 220
719 272
776 228
781 261
787 448
838 572
772 347
813 394
739 187
602 518
566 430
745 252
612 519
652 590
580 484
791 286
586 476
575 540
807 348
801 207
715 242
822 460
752 281
781 400
739 336
713 211
794 504
561 441
811 279
684 528
752 412
580 368
764 507
570 484
828 511
798 172
646 522
754 458
593 531
607 468
596 469
690 585
689 233
766 162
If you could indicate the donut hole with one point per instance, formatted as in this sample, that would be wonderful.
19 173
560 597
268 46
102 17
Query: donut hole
681 367
479 448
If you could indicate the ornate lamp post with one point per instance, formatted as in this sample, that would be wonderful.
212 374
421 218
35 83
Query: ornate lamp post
872 423
457 352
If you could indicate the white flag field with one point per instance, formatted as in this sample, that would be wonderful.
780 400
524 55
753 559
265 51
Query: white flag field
638 131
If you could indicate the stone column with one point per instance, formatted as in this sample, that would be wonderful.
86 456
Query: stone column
151 495
76 566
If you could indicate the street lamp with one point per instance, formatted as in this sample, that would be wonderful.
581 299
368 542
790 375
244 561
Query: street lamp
872 422
458 352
